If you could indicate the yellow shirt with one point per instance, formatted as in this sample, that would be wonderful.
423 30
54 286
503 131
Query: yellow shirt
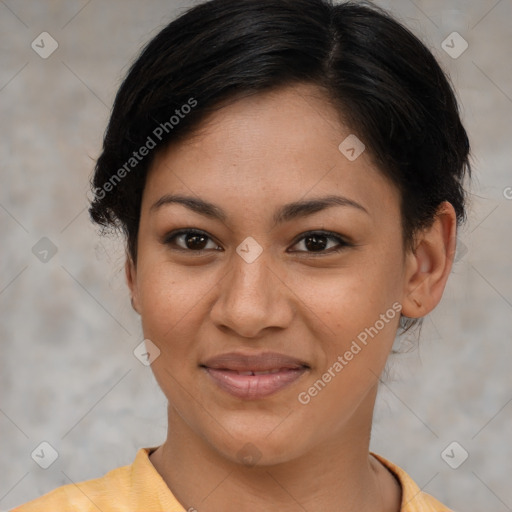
138 487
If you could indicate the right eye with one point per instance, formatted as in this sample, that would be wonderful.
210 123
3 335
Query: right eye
190 240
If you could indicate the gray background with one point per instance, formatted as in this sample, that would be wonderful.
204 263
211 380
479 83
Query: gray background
68 374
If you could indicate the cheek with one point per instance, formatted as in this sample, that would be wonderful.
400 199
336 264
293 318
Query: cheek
174 307
168 295
349 299
167 308
357 313
169 303
360 316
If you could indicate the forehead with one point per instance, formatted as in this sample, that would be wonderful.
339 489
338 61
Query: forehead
281 145
253 125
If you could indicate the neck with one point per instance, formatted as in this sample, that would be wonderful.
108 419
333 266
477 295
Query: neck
338 475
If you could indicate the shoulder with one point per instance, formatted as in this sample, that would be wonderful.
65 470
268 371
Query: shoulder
413 498
127 488
87 496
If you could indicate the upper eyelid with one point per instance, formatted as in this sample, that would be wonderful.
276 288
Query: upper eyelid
325 233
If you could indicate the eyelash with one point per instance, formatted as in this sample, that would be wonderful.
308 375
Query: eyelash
343 244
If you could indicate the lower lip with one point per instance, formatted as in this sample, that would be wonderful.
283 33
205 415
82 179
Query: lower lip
253 387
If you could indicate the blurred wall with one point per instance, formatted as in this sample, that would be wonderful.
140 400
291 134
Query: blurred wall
68 373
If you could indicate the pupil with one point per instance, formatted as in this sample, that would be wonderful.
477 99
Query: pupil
198 241
316 245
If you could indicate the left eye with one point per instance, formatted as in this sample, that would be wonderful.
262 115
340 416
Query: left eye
317 241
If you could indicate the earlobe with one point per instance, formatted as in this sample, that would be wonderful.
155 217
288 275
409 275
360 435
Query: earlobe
429 265
131 280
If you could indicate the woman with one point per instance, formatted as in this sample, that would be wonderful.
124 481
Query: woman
289 179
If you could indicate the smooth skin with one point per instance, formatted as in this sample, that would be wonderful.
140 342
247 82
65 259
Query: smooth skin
249 159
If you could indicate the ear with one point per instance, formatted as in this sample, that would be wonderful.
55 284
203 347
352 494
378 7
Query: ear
131 279
429 264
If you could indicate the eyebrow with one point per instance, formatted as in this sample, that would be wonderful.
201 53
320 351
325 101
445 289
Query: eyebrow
285 213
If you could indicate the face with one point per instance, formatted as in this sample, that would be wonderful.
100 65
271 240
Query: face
261 272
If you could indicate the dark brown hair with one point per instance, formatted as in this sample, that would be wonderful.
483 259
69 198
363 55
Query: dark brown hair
387 86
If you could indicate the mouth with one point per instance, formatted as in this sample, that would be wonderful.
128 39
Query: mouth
252 377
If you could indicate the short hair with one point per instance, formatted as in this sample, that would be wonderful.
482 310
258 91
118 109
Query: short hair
386 85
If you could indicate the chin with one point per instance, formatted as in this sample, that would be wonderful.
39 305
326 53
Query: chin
256 445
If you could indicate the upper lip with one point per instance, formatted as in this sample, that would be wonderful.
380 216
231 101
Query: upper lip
238 361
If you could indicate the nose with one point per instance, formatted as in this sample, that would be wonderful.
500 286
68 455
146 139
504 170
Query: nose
252 298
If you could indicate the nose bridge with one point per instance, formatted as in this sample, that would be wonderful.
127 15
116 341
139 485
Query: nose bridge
249 298
250 277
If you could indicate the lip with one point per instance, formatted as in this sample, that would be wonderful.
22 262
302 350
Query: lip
230 372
